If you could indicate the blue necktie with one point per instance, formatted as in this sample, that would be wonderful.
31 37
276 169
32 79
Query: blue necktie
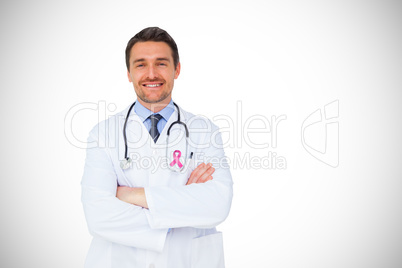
154 123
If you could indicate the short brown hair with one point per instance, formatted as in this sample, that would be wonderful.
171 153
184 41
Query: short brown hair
155 34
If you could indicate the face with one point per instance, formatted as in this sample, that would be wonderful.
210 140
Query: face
152 72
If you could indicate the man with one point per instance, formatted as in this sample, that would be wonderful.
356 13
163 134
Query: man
164 214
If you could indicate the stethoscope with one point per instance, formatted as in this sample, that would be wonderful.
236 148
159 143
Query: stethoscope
126 162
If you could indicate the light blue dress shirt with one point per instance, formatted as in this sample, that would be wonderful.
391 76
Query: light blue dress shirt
144 113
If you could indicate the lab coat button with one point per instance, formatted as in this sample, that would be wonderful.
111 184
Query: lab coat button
155 152
151 266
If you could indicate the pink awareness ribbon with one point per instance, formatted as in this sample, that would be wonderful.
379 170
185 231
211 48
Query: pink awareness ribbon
176 159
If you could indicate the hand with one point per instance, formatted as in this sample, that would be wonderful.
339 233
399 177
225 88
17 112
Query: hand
202 173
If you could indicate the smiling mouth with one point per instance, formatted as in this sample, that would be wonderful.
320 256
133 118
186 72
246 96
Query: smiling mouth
152 85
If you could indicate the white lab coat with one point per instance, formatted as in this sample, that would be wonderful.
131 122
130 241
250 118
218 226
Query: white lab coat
126 235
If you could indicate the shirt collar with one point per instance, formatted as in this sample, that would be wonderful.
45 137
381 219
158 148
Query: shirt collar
144 113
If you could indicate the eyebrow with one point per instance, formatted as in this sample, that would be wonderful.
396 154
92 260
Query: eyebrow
159 59
165 59
138 60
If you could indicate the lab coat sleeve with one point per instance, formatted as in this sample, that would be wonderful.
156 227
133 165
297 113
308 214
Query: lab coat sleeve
199 205
108 217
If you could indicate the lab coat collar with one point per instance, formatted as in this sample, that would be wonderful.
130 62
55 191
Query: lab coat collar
162 138
144 113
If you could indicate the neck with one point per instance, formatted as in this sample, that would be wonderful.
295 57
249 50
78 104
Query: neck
155 107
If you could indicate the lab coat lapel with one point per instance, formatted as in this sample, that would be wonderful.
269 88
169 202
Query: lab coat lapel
138 136
135 127
176 148
163 135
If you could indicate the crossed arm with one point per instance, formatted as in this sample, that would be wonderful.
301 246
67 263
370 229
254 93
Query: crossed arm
111 216
136 195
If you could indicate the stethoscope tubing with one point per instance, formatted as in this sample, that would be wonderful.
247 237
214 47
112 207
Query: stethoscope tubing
178 121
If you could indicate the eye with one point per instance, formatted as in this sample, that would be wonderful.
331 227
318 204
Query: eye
162 64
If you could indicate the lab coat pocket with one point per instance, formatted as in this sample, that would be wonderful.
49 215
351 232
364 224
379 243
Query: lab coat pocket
190 166
207 251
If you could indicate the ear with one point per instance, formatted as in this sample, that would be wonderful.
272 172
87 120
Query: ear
129 77
177 72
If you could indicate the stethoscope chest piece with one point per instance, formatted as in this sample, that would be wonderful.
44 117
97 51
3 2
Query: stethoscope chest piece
125 163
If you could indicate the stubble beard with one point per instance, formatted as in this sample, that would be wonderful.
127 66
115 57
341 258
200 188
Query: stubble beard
162 98
141 95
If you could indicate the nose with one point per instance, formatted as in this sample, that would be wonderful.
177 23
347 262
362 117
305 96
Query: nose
152 72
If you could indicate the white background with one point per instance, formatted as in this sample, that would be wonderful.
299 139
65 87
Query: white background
275 58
